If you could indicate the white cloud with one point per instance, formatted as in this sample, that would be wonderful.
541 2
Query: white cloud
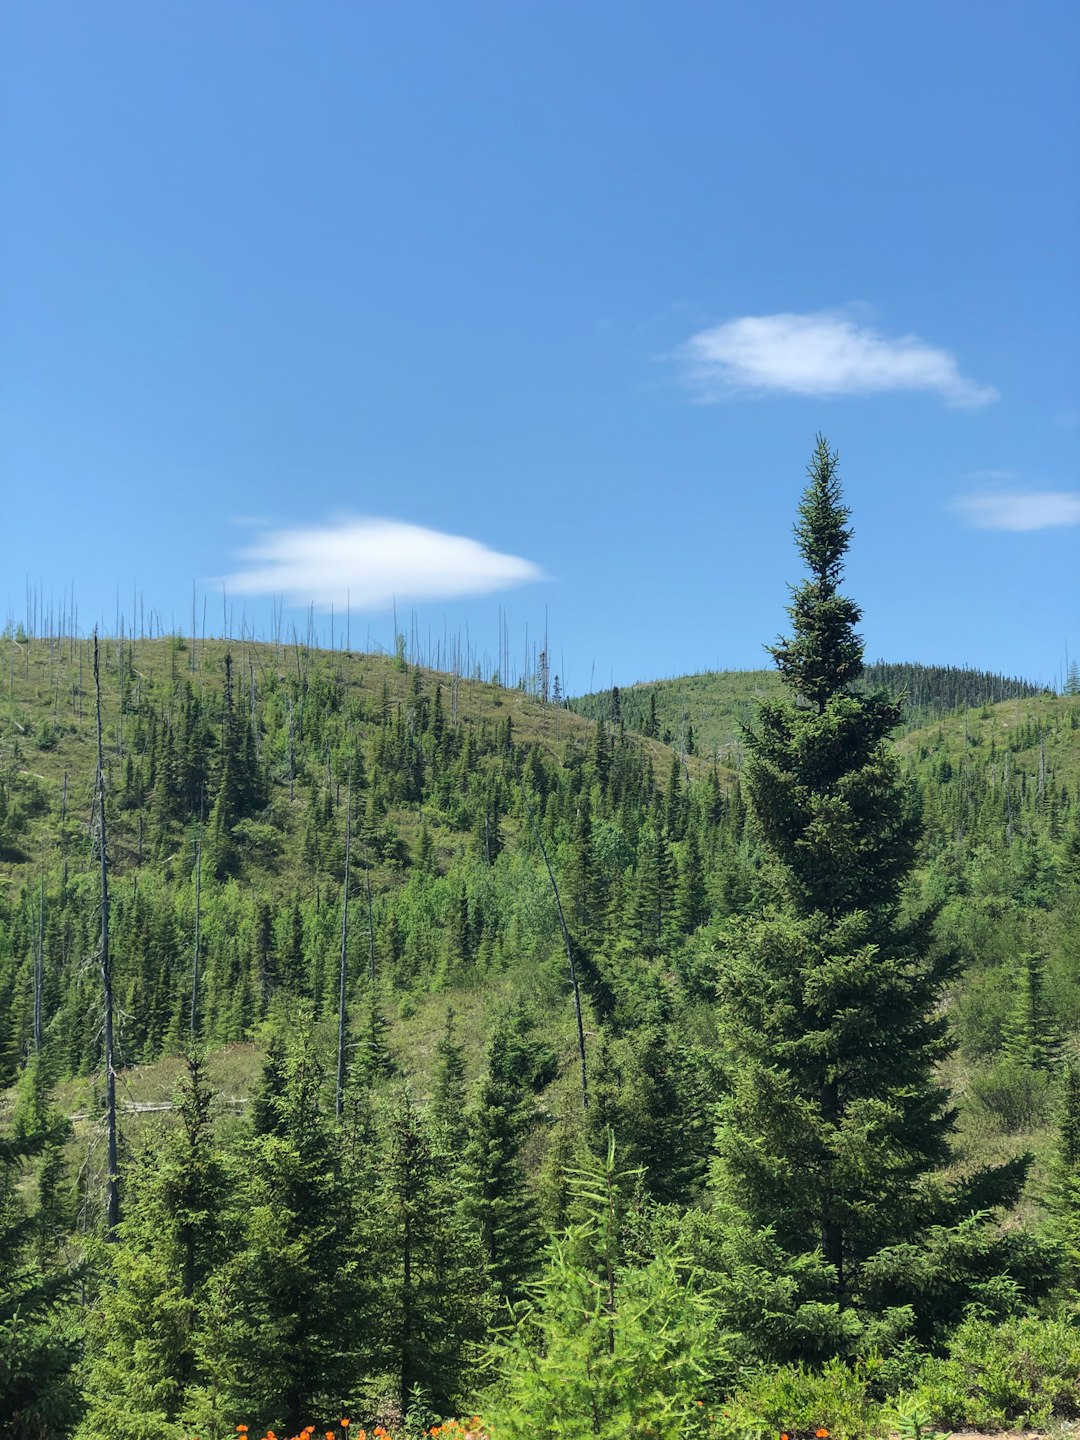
1019 509
822 354
371 563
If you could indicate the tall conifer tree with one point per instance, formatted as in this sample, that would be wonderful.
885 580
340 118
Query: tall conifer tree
836 1123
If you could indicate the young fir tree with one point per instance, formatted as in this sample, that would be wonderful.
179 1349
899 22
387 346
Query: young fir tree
431 1292
832 1138
39 1339
145 1336
503 1209
283 1332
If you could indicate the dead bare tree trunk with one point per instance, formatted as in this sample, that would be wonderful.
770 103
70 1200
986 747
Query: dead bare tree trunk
340 1090
370 917
569 952
39 962
113 1181
198 940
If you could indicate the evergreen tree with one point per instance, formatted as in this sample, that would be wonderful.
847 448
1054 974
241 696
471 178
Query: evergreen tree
1065 1193
448 1097
284 1332
504 1211
651 910
432 1292
38 1338
145 1354
603 1352
836 1126
1031 1038
691 901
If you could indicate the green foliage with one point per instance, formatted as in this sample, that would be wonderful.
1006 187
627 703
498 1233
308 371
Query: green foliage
499 1198
600 1352
431 1293
145 1362
798 1400
38 1335
836 1121
1023 1373
378 1245
284 1308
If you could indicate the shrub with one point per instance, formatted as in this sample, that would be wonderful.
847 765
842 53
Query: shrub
1025 1371
798 1401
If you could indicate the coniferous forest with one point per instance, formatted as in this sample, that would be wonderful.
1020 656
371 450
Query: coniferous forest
393 1051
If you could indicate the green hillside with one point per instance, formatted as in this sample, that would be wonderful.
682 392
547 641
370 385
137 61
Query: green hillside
708 711
352 1083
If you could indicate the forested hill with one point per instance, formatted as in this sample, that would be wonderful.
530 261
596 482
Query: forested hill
705 712
249 789
247 753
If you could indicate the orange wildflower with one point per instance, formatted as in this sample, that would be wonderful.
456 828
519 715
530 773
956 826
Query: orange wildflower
822 1434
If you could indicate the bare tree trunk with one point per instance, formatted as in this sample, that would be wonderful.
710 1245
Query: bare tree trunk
370 917
198 941
39 962
569 953
113 1182
832 1238
340 1091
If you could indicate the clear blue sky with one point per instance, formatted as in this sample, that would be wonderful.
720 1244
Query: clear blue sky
574 282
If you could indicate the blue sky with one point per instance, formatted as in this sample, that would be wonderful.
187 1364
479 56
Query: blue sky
534 310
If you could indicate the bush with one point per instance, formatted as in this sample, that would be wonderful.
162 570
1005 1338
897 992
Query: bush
801 1402
1025 1371
1017 1096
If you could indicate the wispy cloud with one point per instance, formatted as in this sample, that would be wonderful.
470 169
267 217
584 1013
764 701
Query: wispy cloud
371 563
1019 509
825 354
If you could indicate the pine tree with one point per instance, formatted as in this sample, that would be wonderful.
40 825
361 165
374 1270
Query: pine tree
836 1126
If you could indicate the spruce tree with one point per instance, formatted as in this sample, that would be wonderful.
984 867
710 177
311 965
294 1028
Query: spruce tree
38 1335
833 1136
431 1284
503 1209
146 1334
604 1350
283 1329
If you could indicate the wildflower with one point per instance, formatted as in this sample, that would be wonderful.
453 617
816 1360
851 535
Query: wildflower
822 1434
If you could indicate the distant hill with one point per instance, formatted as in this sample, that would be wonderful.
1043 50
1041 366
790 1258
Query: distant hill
705 712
